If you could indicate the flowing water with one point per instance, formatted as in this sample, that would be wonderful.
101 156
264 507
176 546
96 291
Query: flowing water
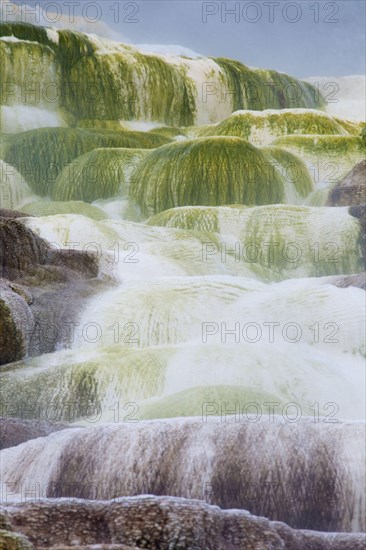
218 360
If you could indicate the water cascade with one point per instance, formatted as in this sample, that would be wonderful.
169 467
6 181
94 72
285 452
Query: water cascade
59 146
124 83
262 127
102 173
182 320
206 171
111 461
13 188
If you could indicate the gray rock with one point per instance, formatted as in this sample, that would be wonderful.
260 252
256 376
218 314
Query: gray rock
163 523
41 290
17 322
14 431
343 281
351 190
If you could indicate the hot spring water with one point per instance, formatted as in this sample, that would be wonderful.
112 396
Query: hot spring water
220 362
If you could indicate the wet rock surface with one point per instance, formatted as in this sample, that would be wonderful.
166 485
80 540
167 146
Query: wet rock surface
12 214
351 190
20 249
160 523
23 254
266 468
344 281
359 212
41 290
17 322
14 431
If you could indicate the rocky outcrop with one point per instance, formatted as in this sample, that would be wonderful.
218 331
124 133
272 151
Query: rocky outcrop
17 321
344 281
83 265
41 289
359 212
351 190
20 249
363 135
12 214
23 253
14 431
161 523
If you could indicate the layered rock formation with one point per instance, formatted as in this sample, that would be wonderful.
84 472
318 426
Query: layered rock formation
157 524
351 190
41 289
14 431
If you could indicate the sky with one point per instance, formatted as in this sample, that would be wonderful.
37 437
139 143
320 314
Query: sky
302 38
